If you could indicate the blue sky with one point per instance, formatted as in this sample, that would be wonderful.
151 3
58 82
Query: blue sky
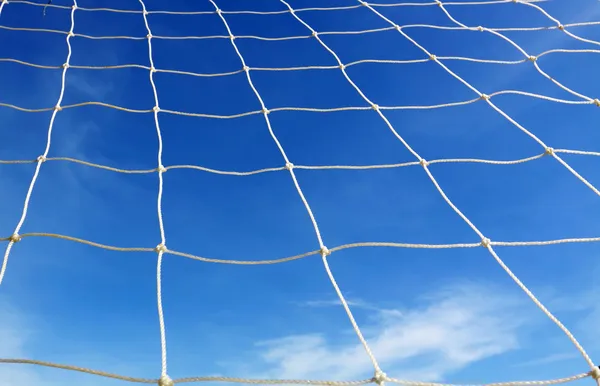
449 315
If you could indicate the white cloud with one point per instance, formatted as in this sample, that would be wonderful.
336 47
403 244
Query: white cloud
453 329
552 358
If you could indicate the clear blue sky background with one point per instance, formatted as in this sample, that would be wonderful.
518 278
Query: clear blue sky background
443 315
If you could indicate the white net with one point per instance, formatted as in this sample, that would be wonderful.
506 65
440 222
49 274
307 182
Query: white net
238 94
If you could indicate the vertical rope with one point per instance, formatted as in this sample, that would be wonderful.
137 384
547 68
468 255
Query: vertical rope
40 160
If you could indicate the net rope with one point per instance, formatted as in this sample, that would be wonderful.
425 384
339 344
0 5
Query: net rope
161 249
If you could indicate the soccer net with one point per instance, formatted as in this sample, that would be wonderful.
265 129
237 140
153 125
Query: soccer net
418 36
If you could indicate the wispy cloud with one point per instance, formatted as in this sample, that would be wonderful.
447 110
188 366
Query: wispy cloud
552 358
455 328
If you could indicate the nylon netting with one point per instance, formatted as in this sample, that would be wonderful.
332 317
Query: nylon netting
451 22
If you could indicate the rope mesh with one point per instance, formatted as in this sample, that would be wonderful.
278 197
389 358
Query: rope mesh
445 62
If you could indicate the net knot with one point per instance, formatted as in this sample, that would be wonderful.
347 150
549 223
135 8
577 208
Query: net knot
375 107
485 242
165 380
363 3
65 65
41 158
289 165
595 373
597 102
156 109
532 58
438 2
149 36
218 11
485 97
480 29
265 111
423 162
246 68
398 28
380 377
15 238
57 108
315 33
549 151
432 57
561 27
342 66
152 69
161 248
324 251
231 37
145 12
74 6
161 169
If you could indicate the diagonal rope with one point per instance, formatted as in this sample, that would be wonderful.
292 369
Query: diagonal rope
485 241
323 249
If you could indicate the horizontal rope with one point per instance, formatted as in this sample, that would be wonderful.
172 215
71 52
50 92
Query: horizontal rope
297 37
302 109
299 68
116 10
282 381
367 244
303 167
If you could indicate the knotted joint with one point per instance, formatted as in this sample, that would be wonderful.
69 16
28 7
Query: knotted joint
380 377
485 97
532 58
231 37
156 109
289 165
423 162
41 158
149 36
432 57
485 242
595 373
265 111
438 2
57 108
65 65
218 11
161 169
15 238
161 248
560 27
375 107
324 251
152 69
342 66
480 29
165 380
246 68
597 102
397 27
549 151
